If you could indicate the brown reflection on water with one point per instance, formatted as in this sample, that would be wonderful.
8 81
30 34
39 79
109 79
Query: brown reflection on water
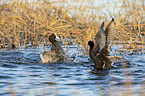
128 78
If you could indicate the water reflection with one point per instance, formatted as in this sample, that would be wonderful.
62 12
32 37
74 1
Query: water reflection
22 73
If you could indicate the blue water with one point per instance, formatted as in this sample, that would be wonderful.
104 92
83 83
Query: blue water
23 74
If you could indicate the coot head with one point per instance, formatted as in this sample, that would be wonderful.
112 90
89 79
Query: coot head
53 37
91 44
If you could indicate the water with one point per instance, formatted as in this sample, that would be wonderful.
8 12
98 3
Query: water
23 74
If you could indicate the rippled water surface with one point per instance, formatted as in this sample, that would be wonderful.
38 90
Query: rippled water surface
23 74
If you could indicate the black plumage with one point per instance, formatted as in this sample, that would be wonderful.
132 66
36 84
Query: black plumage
99 48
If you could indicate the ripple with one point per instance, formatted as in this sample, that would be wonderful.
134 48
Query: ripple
63 67
78 74
57 74
127 83
34 67
97 78
6 94
34 75
80 84
7 65
11 53
100 73
49 83
5 77
67 76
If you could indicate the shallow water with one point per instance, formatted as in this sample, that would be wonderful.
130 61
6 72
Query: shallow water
23 74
